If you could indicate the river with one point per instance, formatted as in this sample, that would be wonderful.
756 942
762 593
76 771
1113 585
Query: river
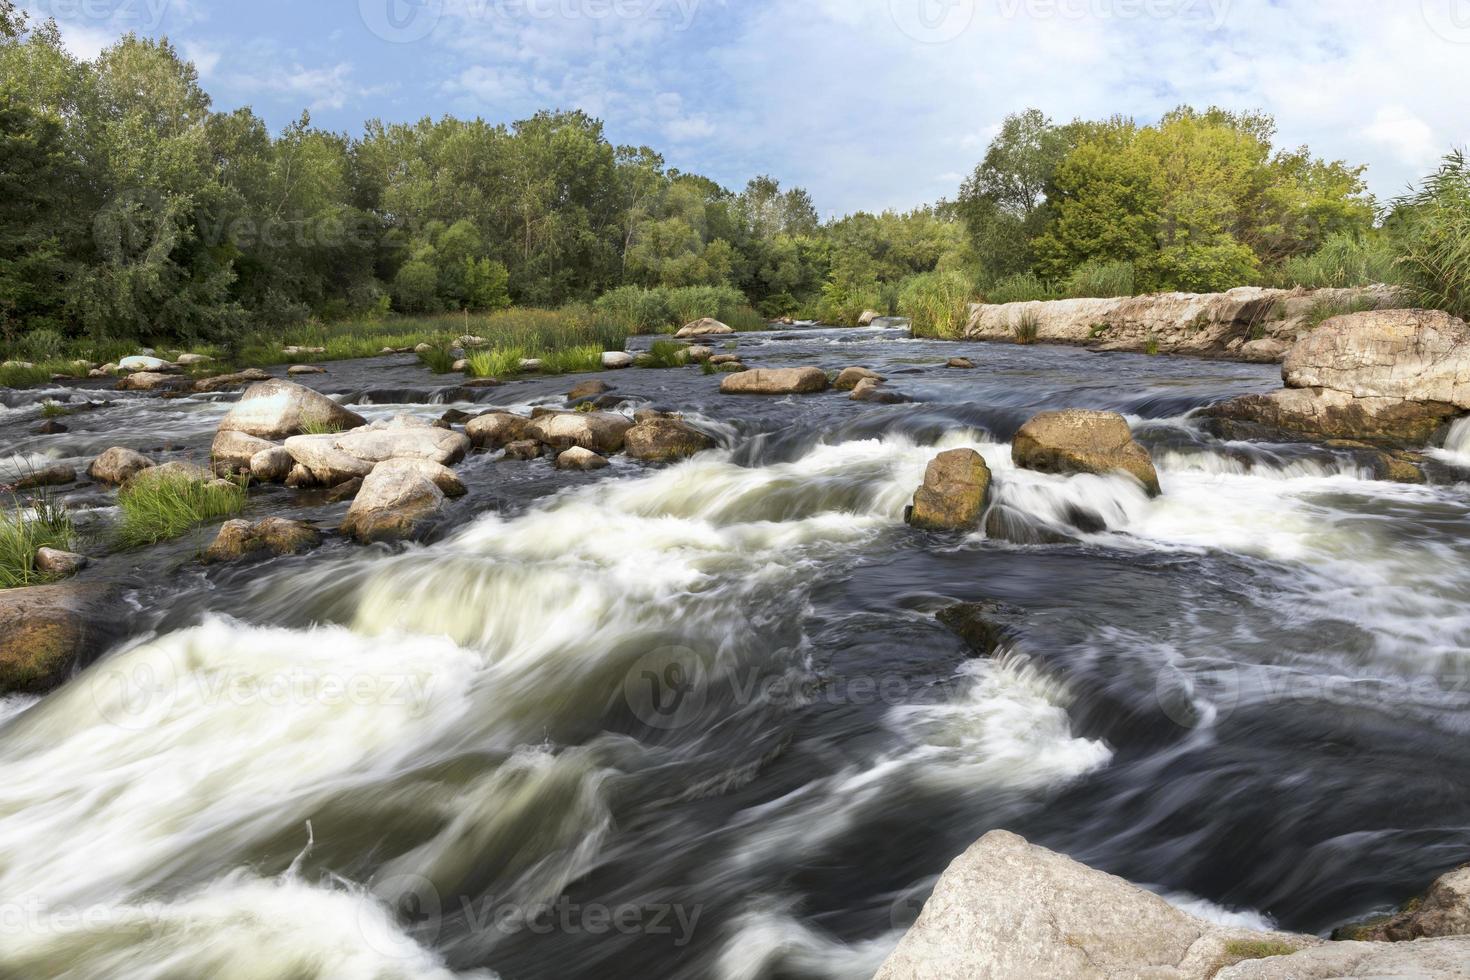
700 721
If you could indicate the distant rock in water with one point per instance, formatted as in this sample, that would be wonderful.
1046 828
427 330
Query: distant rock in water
705 327
118 465
776 381
1083 441
274 535
984 625
851 377
279 409
1392 378
664 439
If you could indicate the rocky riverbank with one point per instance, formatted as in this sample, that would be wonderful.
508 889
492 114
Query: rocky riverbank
1246 324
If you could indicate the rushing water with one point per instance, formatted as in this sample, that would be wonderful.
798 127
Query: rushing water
699 721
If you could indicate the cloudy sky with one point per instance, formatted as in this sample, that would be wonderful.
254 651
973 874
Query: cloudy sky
868 103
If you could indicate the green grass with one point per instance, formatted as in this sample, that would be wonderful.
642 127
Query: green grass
1434 249
1026 327
1022 288
572 360
665 354
1100 280
38 522
745 320
24 377
1240 950
1325 309
438 359
318 427
171 505
1343 261
54 410
937 304
498 362
663 310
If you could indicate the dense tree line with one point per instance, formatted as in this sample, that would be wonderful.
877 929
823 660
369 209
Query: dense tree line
131 208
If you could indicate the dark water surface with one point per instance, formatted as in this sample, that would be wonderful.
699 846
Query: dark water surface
700 721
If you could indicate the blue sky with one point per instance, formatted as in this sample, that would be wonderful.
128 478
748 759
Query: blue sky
867 103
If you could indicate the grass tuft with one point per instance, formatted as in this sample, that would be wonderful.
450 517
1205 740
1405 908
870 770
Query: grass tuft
1026 327
170 505
665 354
38 522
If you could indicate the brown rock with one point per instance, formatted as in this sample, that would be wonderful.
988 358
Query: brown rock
664 439
1444 910
578 458
1322 413
523 449
224 382
588 389
55 475
1083 441
776 381
51 561
495 430
344 491
274 535
271 465
708 326
598 431
117 465
233 451
961 363
955 491
394 502
152 381
45 630
850 378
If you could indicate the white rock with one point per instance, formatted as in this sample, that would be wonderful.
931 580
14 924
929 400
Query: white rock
615 360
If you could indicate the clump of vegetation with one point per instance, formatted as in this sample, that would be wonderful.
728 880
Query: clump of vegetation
1434 225
664 354
1026 327
1240 950
438 359
54 410
319 427
169 505
498 362
1326 308
572 360
1100 280
38 522
937 304
1344 260
1020 288
745 319
24 376
636 309
1097 330
1151 346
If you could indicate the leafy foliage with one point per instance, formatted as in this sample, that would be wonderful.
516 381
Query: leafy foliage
1434 225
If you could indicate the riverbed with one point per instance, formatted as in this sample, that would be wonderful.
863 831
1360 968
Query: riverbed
701 721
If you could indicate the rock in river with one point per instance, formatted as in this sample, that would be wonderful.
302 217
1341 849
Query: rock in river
273 535
395 499
233 451
850 378
495 430
117 465
405 437
598 431
578 458
1083 441
955 491
280 409
46 629
705 327
663 439
776 381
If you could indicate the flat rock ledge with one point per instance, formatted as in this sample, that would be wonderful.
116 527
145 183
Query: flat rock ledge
1007 909
1391 378
1245 324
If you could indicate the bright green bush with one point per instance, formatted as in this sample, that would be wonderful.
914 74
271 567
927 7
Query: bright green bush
1020 288
1342 261
1434 247
936 304
1100 280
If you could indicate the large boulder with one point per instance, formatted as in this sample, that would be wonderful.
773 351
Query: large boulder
776 381
272 465
45 630
496 430
955 491
274 535
233 451
616 360
600 432
665 439
279 409
1389 377
704 327
326 464
395 500
405 437
118 465
1083 441
578 458
1007 909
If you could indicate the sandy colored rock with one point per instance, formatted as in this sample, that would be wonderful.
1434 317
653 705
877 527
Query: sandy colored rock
326 464
588 389
1007 910
176 470
665 439
1420 355
523 450
776 381
698 354
192 360
955 491
868 390
849 378
1322 413
117 465
1204 324
495 430
867 317
233 451
394 502
704 327
274 535
54 561
280 409
616 360
271 465
1442 911
224 382
296 369
436 473
146 363
960 363
404 437
578 458
152 381
51 475
1425 959
598 431
1083 441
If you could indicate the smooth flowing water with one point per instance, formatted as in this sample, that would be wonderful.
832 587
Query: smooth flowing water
700 721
